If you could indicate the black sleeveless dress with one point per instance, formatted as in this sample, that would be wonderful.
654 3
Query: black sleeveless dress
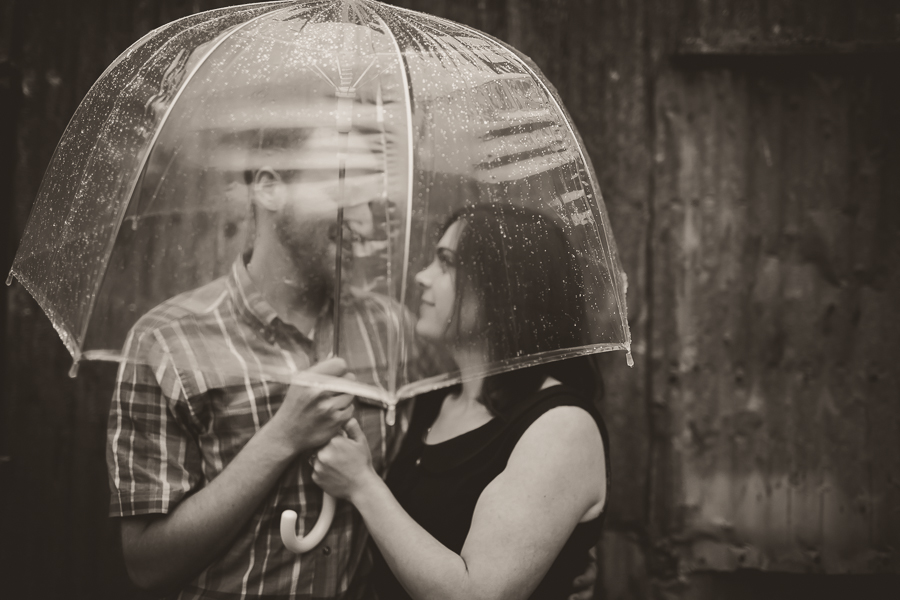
439 484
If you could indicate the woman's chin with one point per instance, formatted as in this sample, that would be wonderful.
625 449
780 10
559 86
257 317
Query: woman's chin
428 333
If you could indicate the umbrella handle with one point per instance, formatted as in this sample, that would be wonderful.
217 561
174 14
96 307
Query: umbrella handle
299 545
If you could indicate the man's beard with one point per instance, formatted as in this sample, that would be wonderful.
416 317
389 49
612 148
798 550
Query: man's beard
309 248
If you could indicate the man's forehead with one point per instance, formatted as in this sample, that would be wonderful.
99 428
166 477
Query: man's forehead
307 149
325 141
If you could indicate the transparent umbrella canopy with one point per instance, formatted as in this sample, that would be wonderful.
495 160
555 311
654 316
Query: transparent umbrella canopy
402 117
381 122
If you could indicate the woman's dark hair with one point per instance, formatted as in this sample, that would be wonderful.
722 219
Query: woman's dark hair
524 273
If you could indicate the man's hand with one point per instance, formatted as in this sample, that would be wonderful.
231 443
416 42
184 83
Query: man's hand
162 551
308 418
584 583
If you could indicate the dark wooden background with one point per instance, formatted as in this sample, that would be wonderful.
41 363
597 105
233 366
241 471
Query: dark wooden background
748 153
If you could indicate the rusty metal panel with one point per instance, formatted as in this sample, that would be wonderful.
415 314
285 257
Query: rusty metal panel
776 236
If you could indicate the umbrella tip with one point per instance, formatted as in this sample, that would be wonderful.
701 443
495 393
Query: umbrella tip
9 278
73 372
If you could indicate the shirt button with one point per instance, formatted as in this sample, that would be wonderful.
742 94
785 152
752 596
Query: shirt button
418 461
326 550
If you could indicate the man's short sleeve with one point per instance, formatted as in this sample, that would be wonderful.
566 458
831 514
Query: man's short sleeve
152 458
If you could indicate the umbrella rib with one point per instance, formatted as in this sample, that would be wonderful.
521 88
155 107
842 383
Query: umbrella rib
407 86
620 302
322 74
409 133
76 340
159 185
143 163
363 74
214 13
560 110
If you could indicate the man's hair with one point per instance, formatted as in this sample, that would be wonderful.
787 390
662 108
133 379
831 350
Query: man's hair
258 142
525 276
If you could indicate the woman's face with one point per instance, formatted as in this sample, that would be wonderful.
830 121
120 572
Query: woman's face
438 283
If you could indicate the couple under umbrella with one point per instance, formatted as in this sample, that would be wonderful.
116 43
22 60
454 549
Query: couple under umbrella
235 396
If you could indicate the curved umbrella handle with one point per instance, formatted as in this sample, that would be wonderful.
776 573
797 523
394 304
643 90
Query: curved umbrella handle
298 544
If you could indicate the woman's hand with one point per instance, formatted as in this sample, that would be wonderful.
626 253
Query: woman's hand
343 467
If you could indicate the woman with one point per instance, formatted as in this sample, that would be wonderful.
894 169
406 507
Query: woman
499 488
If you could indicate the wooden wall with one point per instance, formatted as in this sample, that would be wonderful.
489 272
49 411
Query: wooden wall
748 153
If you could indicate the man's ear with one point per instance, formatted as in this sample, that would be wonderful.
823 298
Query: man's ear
268 189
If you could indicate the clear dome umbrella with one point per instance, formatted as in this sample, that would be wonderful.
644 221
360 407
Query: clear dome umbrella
380 120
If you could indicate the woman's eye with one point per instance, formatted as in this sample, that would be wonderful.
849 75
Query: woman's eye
445 261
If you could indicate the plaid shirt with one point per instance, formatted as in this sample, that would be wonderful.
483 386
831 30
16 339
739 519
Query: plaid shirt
192 391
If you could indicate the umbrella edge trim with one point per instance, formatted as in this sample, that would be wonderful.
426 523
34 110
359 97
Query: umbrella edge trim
68 338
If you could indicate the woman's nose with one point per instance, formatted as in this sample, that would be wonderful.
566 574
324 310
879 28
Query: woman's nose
422 277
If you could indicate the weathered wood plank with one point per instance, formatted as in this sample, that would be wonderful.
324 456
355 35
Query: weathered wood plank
698 48
763 309
725 21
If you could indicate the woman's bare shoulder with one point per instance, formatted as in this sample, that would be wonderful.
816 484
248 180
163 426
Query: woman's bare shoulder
566 429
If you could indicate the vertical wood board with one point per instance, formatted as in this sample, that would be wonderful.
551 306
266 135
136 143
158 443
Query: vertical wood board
774 259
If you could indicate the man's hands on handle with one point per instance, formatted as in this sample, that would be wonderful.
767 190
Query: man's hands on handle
163 550
308 419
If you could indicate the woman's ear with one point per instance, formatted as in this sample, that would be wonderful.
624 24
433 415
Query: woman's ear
268 189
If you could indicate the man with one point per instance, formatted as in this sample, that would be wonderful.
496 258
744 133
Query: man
205 451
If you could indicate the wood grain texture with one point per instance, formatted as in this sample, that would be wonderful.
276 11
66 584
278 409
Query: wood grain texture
773 227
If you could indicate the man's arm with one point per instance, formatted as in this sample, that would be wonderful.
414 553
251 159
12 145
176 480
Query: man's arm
162 550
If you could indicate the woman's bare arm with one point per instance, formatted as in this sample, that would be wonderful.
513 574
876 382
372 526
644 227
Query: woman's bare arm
555 478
